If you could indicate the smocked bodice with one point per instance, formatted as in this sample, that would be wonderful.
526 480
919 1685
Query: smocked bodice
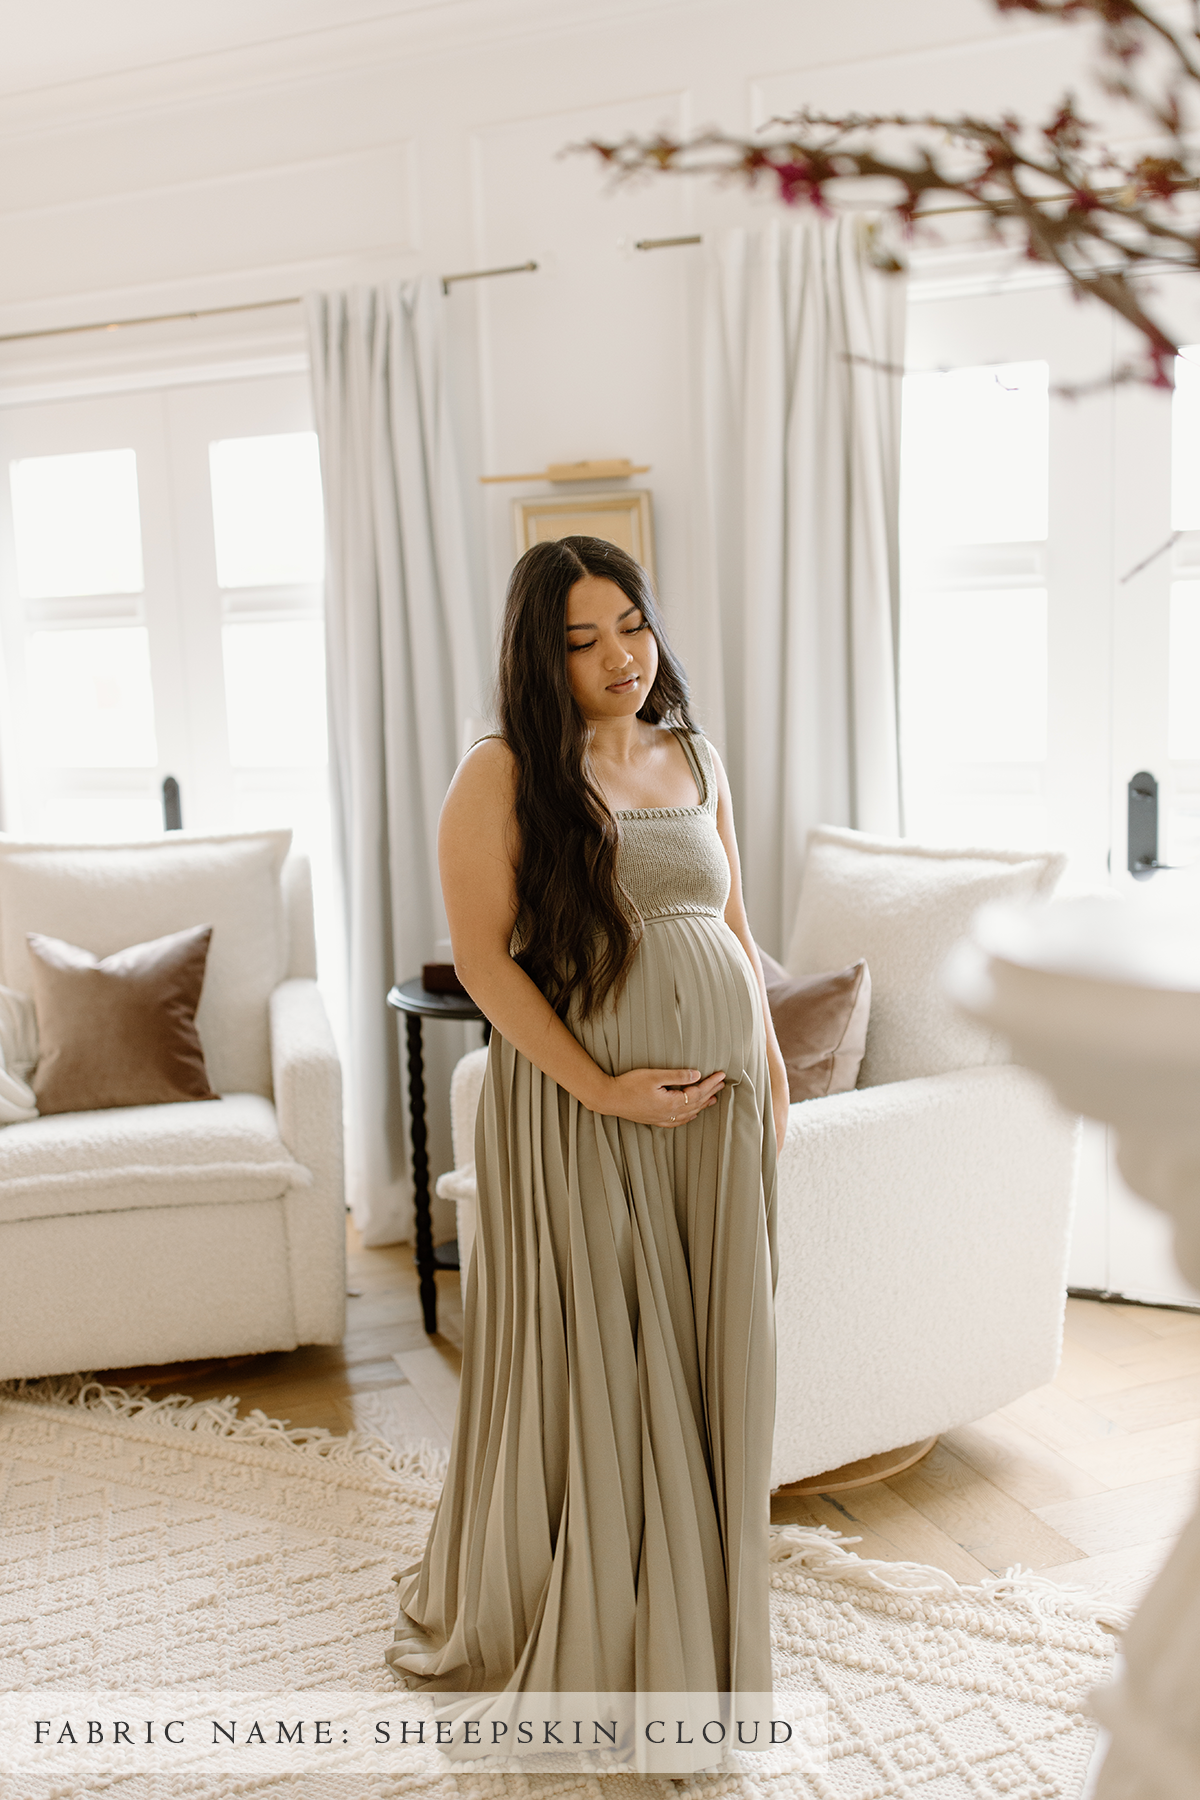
671 860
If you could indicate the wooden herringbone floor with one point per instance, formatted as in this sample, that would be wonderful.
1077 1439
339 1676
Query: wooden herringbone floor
1088 1479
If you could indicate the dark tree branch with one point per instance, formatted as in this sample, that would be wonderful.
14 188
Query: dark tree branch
1056 191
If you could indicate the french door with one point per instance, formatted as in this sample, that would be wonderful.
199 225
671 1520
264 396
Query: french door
1050 635
161 583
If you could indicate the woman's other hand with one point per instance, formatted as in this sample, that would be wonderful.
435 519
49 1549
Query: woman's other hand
735 918
665 1097
780 1105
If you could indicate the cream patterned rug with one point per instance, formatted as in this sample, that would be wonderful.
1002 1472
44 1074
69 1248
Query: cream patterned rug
165 1565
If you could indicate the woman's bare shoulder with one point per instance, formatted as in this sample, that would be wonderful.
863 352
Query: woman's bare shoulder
713 752
724 797
489 759
485 780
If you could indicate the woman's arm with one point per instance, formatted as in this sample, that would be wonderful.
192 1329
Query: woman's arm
477 857
735 918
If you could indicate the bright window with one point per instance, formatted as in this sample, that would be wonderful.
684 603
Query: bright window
974 672
973 716
1182 823
975 456
275 693
76 524
1184 714
1185 442
267 510
973 631
1182 788
161 615
90 697
99 818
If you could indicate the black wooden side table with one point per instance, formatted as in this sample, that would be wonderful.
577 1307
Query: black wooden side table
417 1003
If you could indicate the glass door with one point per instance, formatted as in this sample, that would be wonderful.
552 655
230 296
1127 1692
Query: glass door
161 615
1050 633
95 705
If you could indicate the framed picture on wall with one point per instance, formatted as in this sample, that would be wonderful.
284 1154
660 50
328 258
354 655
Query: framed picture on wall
620 517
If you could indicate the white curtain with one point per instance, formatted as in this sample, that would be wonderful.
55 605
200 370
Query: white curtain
795 637
405 645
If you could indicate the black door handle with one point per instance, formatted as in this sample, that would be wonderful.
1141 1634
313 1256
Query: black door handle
1143 827
172 806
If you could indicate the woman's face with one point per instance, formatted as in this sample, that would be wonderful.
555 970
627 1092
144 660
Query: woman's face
612 658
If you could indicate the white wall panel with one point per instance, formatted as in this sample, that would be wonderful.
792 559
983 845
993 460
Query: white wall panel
1005 73
193 179
594 303
585 358
257 219
258 126
332 144
87 40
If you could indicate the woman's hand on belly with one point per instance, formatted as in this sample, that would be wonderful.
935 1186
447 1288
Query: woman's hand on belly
664 1097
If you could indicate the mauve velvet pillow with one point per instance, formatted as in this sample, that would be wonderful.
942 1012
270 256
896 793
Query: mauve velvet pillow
121 1032
821 1024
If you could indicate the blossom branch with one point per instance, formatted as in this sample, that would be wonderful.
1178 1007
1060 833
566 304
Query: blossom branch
1054 191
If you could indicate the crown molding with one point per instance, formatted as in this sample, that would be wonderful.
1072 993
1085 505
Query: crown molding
435 29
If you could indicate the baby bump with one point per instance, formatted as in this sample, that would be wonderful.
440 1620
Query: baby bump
690 1001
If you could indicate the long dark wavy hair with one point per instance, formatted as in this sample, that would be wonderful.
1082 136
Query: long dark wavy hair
577 929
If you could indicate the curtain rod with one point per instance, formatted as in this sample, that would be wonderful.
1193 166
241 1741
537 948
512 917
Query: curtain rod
212 312
525 268
932 212
665 243
200 312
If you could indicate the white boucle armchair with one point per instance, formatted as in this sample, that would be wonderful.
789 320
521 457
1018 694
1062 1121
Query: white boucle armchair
156 1234
924 1218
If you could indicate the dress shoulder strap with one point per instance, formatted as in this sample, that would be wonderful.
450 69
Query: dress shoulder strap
694 745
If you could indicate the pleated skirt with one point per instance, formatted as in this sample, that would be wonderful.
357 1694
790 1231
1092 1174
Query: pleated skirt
603 1526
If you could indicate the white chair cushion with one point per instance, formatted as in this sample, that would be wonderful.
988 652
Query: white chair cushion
904 906
458 1184
105 897
129 1157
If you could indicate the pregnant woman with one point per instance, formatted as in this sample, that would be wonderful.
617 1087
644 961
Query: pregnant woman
603 1527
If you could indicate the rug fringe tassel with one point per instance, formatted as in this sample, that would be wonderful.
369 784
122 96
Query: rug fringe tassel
818 1550
220 1418
822 1552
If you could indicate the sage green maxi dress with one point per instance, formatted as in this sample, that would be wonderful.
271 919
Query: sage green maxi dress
603 1526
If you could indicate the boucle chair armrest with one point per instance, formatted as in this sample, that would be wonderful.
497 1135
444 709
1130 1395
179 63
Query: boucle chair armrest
458 1184
923 1236
813 1123
307 1079
466 1085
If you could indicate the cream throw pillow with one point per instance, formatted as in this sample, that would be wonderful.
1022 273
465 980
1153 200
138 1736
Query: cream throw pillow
903 907
18 1054
104 897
